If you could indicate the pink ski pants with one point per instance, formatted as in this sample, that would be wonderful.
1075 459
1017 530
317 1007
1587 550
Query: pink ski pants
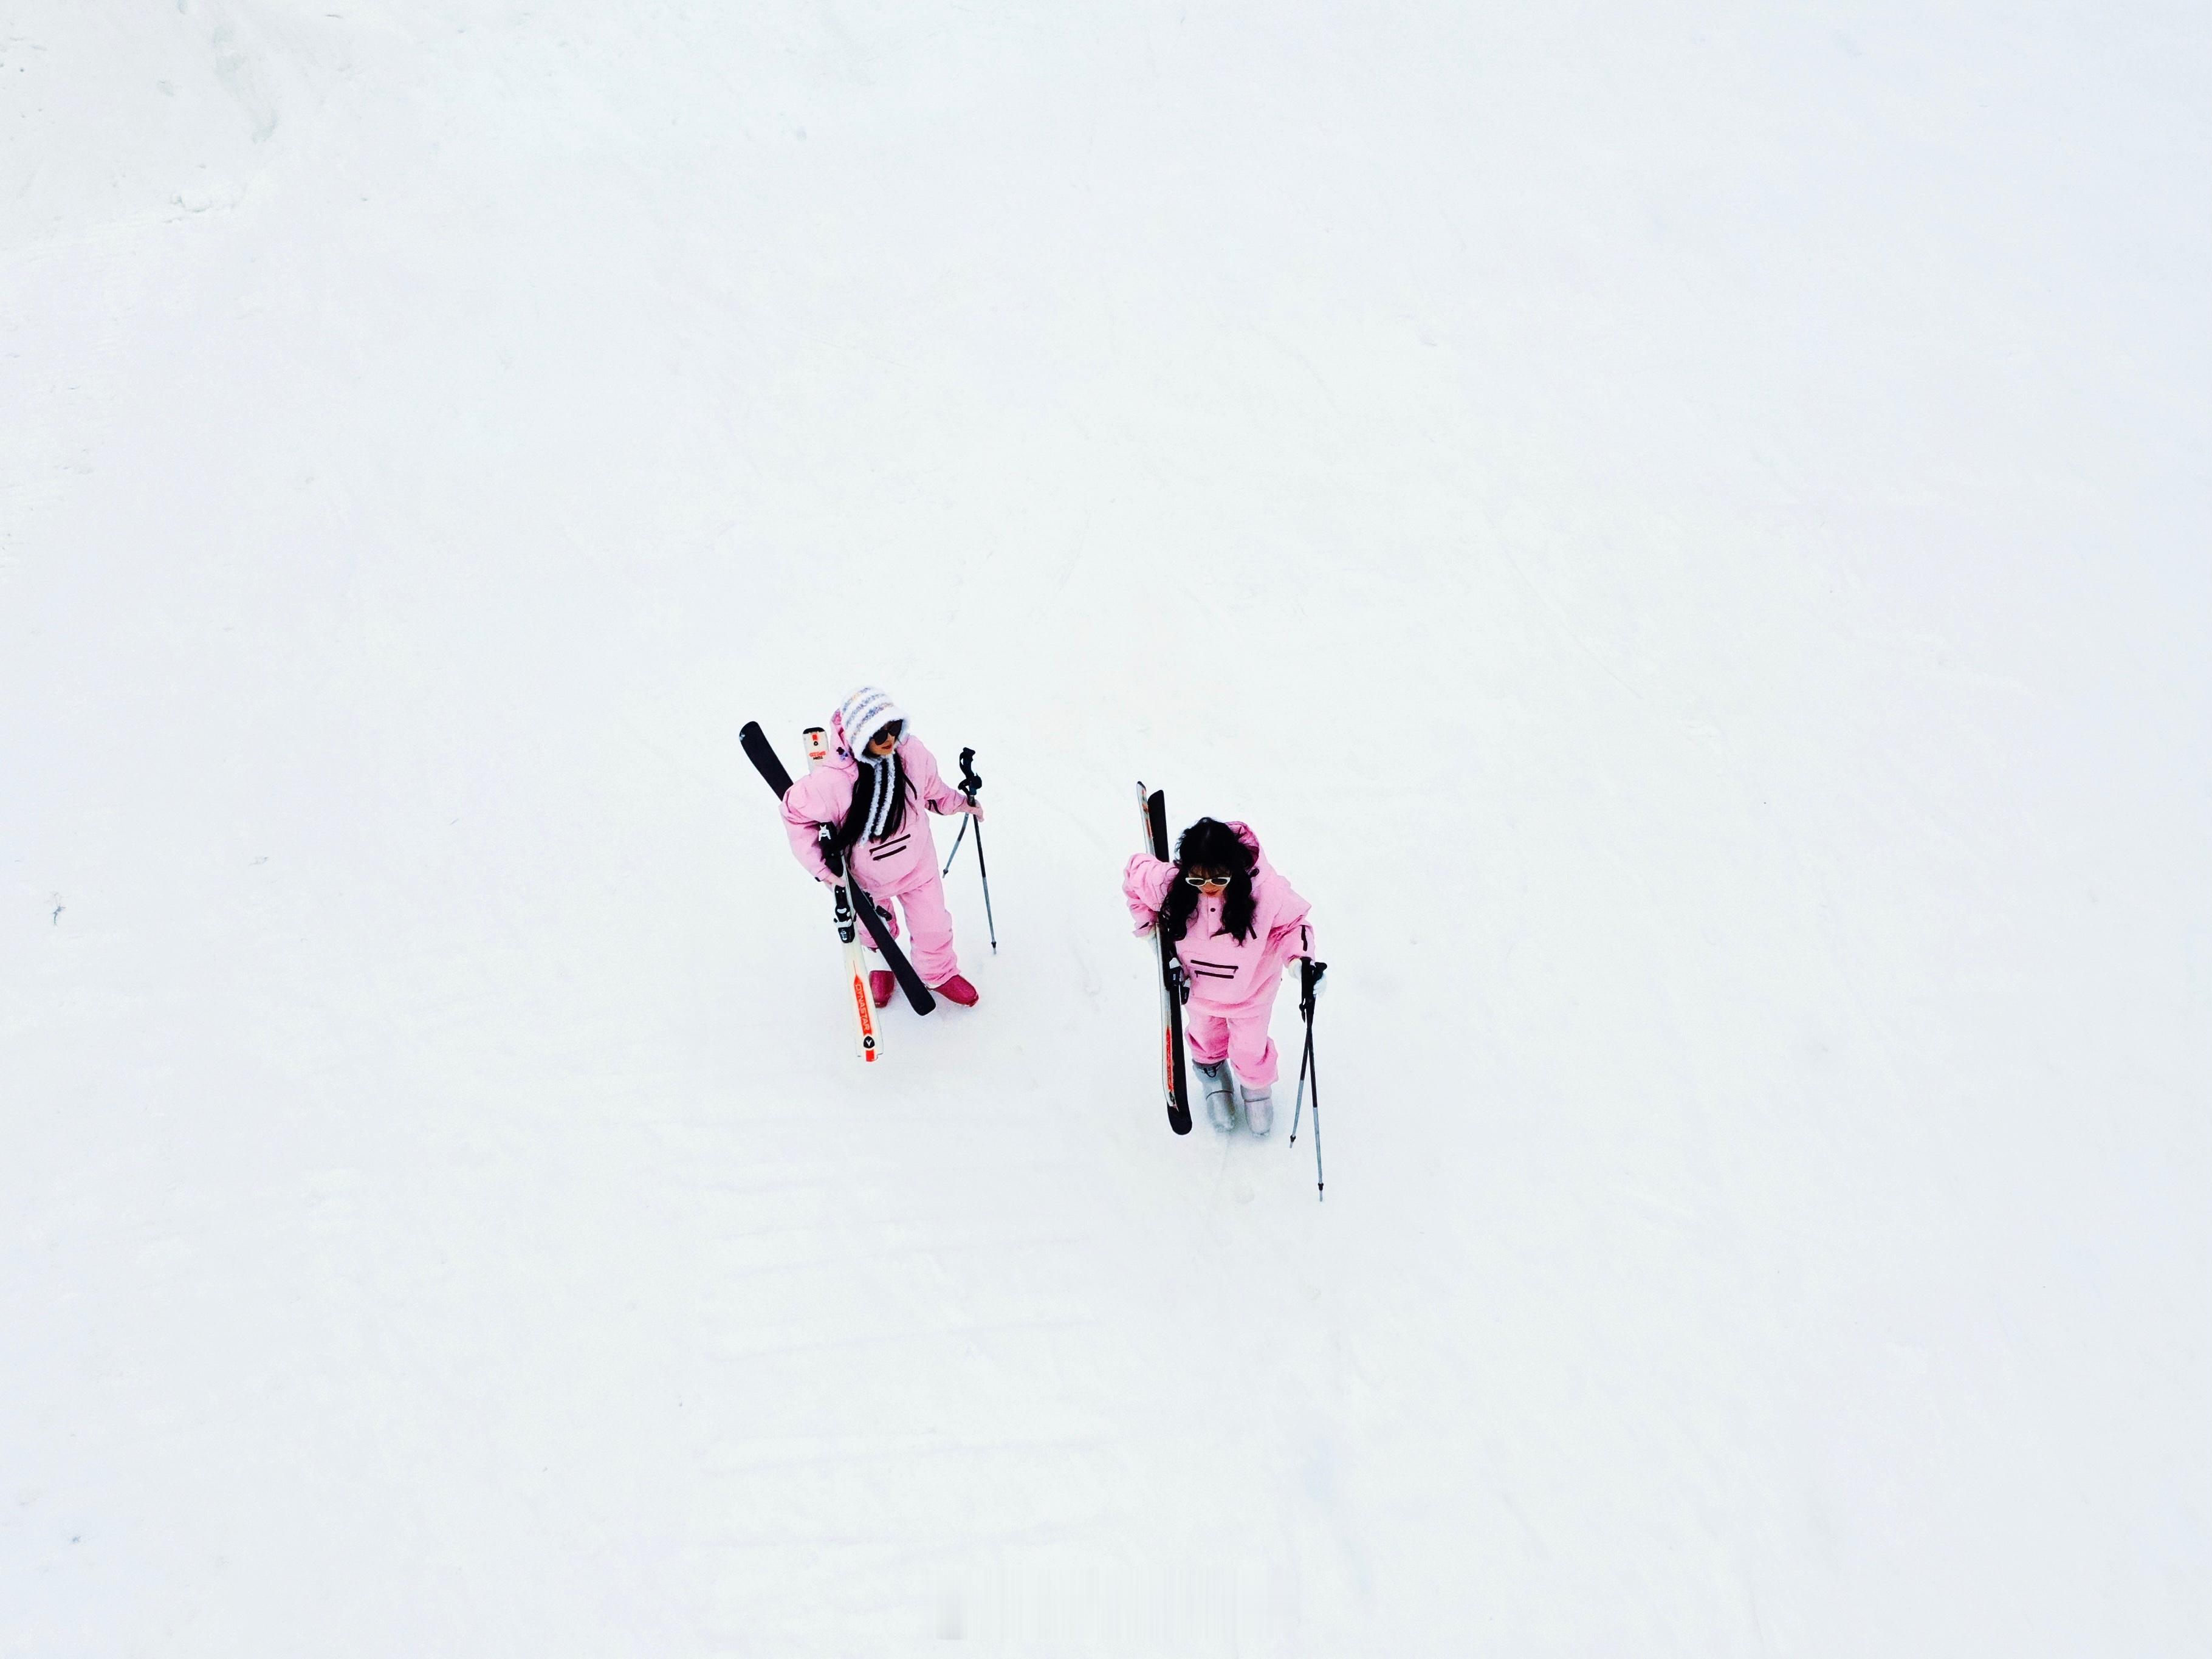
1239 1034
923 900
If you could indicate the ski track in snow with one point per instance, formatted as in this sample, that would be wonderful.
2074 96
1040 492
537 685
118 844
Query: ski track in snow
1685 534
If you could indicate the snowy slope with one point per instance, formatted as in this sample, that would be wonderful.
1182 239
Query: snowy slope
1684 528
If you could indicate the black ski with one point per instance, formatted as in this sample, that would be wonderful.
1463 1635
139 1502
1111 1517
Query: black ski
1174 1081
765 760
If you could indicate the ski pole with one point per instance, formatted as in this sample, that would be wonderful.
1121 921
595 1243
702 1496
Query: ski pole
1321 1186
1308 978
970 781
1309 973
955 853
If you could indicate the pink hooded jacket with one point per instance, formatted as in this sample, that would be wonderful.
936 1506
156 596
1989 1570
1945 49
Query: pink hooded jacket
898 862
1226 973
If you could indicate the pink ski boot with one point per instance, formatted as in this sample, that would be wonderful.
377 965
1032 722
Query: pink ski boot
881 983
957 989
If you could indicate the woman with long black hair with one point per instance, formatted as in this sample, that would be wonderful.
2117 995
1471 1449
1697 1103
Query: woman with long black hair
1234 924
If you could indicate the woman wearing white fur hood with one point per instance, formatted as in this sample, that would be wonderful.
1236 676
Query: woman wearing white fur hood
862 793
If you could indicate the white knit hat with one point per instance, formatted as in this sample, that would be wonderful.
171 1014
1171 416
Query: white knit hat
863 714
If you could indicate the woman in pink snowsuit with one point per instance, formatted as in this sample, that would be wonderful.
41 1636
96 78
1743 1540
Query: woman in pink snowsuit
1234 924
862 792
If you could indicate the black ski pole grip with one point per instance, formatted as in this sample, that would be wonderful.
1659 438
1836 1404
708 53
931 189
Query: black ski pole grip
1310 975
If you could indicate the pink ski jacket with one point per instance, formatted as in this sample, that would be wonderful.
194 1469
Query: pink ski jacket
823 796
1226 972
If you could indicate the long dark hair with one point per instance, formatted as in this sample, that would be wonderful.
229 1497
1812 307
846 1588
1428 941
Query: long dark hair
864 789
1210 844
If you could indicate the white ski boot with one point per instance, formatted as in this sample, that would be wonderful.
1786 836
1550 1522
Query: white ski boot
1220 1098
1259 1107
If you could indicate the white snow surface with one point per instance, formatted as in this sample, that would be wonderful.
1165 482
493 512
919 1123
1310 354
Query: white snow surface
1684 527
